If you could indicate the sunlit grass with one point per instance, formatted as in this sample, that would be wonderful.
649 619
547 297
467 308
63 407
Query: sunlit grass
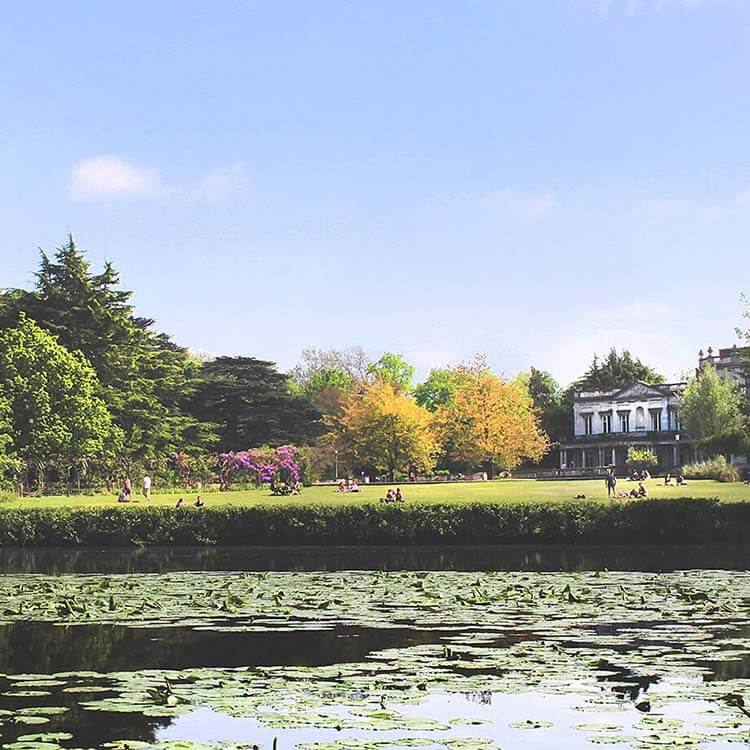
505 490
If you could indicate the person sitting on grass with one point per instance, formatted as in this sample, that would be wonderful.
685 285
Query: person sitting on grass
398 497
681 480
123 497
180 503
342 486
354 487
199 502
634 492
668 479
622 493
642 491
389 497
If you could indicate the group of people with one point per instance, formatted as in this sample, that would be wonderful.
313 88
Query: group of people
126 491
642 476
199 502
348 485
678 480
640 491
392 497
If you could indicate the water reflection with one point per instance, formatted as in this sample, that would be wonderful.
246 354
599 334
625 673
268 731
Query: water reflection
477 558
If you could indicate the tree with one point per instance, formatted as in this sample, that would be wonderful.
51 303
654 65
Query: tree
385 430
250 404
143 376
325 368
51 399
616 371
394 369
546 395
711 412
489 421
439 387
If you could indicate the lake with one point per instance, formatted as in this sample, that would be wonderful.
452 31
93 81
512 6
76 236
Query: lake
353 648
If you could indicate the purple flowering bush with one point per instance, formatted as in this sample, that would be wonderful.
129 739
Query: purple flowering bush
275 466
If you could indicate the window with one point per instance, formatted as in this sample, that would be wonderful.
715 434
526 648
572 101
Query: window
640 418
587 424
624 422
606 423
656 421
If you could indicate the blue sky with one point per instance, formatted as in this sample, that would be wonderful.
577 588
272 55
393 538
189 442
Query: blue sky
534 180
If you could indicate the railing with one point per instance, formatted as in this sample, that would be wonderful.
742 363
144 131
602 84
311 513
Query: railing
632 435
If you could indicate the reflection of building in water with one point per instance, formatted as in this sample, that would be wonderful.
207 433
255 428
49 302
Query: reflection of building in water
608 423
732 364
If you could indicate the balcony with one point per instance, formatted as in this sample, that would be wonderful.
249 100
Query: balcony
635 436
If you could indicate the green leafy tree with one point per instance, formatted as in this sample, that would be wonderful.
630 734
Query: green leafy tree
394 369
711 411
547 398
143 375
51 401
250 404
439 388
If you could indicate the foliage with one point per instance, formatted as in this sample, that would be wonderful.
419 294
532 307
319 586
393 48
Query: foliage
711 412
641 458
394 369
616 371
716 467
51 402
260 466
385 430
250 405
143 376
321 369
547 398
489 421
439 387
673 521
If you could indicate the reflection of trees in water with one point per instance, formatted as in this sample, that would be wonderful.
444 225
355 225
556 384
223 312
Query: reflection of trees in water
43 648
507 557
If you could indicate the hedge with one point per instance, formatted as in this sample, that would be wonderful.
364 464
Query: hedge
658 521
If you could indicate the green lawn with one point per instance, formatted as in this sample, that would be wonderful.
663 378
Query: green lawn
495 491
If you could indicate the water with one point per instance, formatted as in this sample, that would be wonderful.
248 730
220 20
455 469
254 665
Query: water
441 648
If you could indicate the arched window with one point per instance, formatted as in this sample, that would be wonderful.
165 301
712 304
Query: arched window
640 418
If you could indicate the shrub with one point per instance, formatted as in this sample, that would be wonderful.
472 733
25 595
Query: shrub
653 521
712 468
641 458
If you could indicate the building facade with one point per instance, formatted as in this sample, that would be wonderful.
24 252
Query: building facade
608 423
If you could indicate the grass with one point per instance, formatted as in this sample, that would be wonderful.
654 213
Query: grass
499 491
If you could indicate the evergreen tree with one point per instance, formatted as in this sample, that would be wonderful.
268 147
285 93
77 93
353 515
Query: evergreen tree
252 404
143 375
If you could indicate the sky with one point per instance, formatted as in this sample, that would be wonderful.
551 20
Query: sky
535 180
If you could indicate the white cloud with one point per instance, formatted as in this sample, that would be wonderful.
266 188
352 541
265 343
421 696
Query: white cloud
220 183
110 177
523 204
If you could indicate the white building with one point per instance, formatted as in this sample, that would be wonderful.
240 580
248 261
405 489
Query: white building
608 423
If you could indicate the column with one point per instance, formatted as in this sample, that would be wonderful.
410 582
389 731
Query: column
675 455
614 457
563 458
601 456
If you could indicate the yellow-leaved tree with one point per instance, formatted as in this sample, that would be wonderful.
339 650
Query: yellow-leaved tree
489 421
382 428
